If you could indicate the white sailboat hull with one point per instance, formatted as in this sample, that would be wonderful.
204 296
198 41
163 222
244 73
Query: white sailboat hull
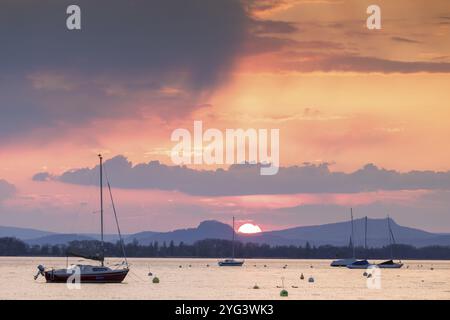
231 263
342 262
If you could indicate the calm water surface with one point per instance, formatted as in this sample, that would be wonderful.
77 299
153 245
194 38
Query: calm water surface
195 280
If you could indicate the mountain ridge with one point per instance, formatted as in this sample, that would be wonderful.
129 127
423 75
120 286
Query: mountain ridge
336 234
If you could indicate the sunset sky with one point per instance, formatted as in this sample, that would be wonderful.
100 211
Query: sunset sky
364 115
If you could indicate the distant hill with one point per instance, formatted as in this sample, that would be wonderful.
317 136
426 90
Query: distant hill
22 233
377 234
206 230
54 239
337 234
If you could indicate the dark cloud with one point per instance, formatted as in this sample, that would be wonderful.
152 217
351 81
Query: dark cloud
116 36
6 189
42 176
263 5
159 57
353 63
266 44
328 45
271 26
246 179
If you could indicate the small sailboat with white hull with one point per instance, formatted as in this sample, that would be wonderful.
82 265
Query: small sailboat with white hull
231 262
87 273
347 261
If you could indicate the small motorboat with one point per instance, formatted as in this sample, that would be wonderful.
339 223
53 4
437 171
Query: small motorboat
390 264
360 264
230 263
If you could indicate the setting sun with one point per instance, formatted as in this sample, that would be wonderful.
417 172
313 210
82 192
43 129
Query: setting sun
249 228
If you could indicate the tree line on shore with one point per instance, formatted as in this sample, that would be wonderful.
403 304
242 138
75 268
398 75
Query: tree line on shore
215 248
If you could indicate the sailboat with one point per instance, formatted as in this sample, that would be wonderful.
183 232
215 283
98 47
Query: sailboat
91 273
361 264
231 262
346 262
390 264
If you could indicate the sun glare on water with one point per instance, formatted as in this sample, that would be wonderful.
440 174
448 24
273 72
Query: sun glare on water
249 228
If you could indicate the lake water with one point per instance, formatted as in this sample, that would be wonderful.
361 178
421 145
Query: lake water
194 280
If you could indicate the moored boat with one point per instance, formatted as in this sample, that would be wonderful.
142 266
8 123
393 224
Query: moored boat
231 262
86 273
390 264
360 264
348 261
343 262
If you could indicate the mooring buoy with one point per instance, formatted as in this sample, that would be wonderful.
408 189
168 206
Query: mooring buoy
284 293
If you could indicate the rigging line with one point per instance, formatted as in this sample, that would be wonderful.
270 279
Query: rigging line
117 223
391 237
392 234
115 216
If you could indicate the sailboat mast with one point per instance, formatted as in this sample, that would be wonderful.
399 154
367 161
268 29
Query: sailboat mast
391 236
353 233
365 234
101 205
232 252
